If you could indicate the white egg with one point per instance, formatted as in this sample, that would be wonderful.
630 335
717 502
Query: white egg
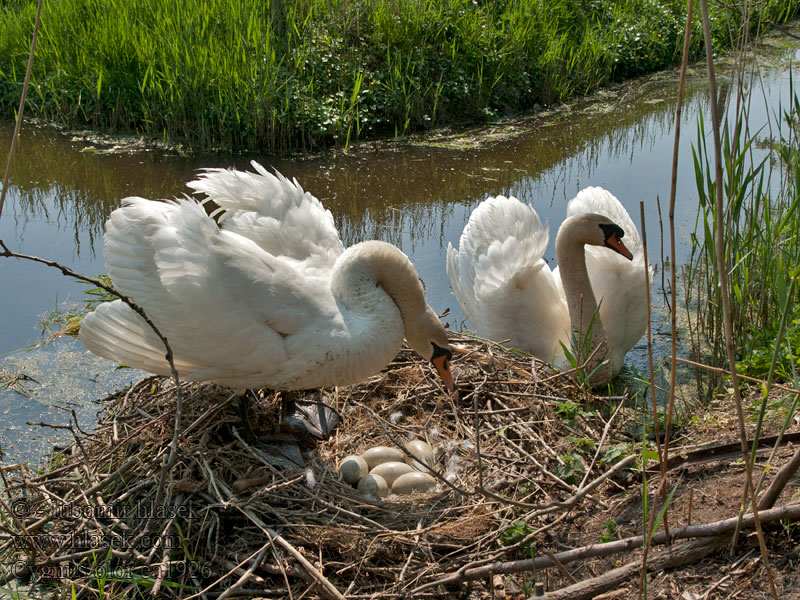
382 454
391 470
373 486
352 468
422 451
413 481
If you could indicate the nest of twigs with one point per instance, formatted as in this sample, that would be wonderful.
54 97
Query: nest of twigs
266 515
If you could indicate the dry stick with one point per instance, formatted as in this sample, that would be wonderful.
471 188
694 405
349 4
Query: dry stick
781 479
672 557
7 253
545 509
602 441
650 330
716 529
672 249
232 570
776 386
163 567
326 587
663 453
247 574
722 268
24 95
662 459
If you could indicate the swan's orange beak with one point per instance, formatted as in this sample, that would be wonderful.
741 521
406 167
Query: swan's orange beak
442 364
615 243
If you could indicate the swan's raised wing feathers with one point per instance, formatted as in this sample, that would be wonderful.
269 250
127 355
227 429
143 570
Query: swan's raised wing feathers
273 212
173 259
500 279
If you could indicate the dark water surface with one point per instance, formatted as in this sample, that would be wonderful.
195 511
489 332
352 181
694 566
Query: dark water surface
415 195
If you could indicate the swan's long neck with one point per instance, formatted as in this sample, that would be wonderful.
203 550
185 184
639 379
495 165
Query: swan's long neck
581 302
374 264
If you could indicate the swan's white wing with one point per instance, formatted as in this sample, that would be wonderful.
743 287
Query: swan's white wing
619 282
224 303
501 281
275 213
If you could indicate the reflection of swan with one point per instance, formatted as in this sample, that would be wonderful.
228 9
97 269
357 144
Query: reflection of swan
270 298
509 293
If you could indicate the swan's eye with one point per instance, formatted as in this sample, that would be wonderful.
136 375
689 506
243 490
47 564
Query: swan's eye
610 230
439 351
613 239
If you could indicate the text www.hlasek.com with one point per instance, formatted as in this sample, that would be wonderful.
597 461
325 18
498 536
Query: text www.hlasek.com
94 541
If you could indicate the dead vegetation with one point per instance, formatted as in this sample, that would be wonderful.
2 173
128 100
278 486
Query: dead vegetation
529 466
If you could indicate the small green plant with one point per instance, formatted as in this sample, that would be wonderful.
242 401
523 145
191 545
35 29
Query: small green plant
514 533
581 353
583 445
616 452
571 469
65 318
570 411
609 532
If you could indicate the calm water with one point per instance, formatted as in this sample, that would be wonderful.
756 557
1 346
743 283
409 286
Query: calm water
416 196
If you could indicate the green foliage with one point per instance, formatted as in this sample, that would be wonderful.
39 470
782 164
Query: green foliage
570 411
290 74
609 532
572 469
514 533
66 319
615 453
762 245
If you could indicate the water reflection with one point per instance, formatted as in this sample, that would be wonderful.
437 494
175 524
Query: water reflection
416 196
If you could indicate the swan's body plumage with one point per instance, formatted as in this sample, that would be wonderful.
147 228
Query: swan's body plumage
269 297
508 291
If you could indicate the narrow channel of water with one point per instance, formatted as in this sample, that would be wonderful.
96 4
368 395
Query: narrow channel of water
415 195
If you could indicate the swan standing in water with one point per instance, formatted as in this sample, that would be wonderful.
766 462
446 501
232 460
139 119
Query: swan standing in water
267 298
508 292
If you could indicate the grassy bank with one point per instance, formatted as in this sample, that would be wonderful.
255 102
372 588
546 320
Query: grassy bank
294 74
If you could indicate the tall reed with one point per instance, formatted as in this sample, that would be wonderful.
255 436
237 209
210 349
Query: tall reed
762 244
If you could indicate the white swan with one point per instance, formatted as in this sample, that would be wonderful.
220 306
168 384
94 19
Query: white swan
508 292
267 298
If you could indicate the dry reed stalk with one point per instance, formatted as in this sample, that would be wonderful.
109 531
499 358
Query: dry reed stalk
724 291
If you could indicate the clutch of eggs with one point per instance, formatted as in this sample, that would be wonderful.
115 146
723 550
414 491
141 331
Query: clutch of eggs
381 468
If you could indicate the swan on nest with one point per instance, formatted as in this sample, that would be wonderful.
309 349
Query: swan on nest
267 297
596 294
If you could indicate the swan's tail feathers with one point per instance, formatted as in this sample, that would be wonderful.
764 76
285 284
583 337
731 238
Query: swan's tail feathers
602 202
116 332
501 247
272 211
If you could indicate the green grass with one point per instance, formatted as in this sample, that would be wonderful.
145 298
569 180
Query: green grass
296 74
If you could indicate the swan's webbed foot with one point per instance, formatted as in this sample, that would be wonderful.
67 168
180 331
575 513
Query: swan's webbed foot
307 415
